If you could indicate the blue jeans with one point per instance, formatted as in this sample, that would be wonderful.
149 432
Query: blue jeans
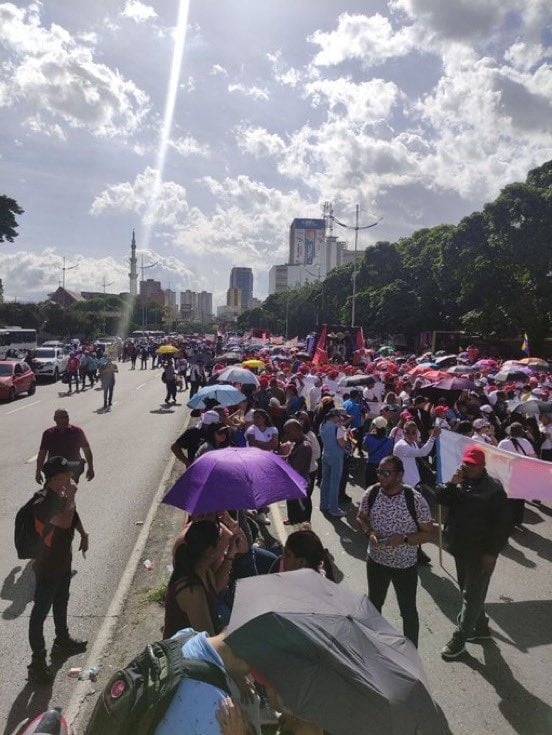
108 393
332 467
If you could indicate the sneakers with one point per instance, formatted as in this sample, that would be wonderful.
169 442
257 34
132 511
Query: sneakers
39 671
454 648
480 634
338 514
67 647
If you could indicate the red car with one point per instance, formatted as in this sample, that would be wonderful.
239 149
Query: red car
16 377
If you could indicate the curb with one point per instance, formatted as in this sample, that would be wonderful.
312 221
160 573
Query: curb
113 614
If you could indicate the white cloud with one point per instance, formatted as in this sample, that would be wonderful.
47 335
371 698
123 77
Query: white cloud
189 146
286 76
218 70
368 39
255 92
170 209
524 56
360 103
138 11
57 78
259 142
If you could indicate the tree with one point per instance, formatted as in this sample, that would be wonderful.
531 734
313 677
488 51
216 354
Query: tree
8 209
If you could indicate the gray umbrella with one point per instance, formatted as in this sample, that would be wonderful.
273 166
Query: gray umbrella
331 656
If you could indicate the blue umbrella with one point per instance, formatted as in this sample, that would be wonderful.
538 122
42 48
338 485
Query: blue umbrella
226 395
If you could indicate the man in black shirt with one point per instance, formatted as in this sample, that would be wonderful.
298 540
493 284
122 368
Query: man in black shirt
477 529
56 518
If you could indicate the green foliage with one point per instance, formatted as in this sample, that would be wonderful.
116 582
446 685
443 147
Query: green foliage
8 209
491 274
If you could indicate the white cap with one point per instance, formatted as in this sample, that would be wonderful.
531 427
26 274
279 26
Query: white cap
209 417
379 422
480 424
485 408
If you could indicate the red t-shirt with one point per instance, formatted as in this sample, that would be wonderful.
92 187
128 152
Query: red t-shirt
64 442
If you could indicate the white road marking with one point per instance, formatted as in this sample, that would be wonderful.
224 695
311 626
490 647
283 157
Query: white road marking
31 459
140 386
22 408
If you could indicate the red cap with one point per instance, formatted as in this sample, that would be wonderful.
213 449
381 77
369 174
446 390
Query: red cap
441 410
474 455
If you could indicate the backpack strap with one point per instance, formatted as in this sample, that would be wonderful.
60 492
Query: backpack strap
411 504
372 495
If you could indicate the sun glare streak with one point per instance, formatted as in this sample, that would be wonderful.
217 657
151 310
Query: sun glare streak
164 138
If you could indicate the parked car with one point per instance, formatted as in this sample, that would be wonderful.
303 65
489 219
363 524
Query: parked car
49 362
16 377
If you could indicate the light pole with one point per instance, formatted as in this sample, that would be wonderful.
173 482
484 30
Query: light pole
356 228
66 268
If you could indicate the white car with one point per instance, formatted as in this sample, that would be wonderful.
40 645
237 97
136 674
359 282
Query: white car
49 362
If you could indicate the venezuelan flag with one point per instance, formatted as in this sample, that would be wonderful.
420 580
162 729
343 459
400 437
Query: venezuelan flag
525 345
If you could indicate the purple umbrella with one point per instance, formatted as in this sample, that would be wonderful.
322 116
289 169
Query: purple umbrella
235 477
453 384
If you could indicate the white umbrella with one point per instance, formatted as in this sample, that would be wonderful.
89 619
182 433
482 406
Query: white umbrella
237 375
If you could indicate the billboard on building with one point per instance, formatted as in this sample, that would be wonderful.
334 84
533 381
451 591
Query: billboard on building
307 237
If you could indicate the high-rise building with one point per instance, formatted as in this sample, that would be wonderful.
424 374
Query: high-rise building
242 278
205 306
188 305
306 238
234 299
133 275
150 290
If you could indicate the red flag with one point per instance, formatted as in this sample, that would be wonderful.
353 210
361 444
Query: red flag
320 354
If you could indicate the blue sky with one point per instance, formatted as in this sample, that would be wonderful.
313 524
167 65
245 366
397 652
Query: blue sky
419 110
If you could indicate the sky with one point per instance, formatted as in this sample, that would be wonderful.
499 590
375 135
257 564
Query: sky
209 125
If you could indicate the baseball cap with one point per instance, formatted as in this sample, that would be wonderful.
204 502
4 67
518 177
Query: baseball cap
485 408
474 455
480 423
379 422
58 466
210 417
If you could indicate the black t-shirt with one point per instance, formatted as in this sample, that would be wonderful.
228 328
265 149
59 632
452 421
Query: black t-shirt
190 441
54 555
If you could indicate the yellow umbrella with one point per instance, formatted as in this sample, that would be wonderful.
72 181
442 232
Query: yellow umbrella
253 364
532 361
167 350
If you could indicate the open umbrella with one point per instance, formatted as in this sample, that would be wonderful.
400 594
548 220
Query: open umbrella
355 380
237 375
331 656
515 374
167 350
229 357
486 362
235 477
446 361
534 361
461 369
253 364
530 408
303 356
226 395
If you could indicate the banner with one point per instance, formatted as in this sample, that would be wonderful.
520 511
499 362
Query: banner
522 477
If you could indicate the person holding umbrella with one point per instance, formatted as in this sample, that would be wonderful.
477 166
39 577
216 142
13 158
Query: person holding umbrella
396 520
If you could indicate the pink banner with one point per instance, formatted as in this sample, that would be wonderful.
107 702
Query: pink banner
522 477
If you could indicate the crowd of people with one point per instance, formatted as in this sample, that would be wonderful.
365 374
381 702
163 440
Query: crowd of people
376 420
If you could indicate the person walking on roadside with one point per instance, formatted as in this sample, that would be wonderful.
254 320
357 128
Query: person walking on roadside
144 357
107 379
197 377
396 518
56 519
299 457
73 364
65 440
169 378
476 531
133 354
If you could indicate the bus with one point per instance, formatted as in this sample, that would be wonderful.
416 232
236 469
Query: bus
153 334
15 340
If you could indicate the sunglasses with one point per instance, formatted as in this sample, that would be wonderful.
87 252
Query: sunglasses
384 473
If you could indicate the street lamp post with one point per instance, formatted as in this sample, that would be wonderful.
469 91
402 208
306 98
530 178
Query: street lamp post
356 228
66 268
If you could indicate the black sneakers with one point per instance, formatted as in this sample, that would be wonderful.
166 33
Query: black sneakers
480 634
454 647
67 647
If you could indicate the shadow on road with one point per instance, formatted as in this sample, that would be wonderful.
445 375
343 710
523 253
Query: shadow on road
526 622
531 540
19 590
525 712
31 701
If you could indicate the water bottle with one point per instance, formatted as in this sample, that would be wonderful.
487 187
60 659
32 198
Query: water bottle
88 674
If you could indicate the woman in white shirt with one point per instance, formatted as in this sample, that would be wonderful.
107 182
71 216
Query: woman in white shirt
518 444
262 434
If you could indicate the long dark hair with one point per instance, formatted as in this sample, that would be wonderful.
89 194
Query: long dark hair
199 537
306 545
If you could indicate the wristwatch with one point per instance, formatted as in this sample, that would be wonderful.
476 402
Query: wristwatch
405 539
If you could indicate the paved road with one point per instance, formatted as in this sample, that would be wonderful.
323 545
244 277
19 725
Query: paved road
131 447
498 688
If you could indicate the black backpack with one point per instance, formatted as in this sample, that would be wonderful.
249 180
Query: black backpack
408 496
136 698
26 537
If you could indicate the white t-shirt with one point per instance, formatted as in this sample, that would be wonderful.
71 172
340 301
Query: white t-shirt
508 446
408 453
261 436
373 393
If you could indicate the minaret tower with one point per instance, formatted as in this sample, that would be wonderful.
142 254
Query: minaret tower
133 275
